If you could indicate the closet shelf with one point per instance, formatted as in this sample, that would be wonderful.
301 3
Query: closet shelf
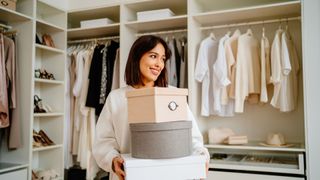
12 16
254 13
51 49
6 167
48 27
176 22
47 114
255 145
38 80
47 148
80 33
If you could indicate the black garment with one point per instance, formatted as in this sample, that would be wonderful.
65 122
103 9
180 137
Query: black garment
95 74
95 78
178 61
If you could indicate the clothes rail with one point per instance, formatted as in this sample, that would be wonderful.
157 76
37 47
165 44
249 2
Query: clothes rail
251 23
162 32
92 39
6 27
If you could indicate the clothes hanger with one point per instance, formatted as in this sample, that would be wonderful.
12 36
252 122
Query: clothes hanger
263 30
212 36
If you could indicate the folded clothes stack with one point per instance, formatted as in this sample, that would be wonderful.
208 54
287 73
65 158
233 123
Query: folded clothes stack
237 140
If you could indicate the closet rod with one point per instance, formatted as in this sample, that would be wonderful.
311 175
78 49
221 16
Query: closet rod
3 26
162 32
92 39
251 23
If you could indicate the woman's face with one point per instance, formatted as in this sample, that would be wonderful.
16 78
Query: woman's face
151 64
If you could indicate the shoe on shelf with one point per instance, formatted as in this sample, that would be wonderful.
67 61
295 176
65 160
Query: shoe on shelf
45 75
47 40
49 174
38 107
38 140
46 138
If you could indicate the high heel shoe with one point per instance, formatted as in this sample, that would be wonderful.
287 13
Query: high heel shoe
46 138
38 107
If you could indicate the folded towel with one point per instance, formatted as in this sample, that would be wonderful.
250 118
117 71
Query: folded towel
237 140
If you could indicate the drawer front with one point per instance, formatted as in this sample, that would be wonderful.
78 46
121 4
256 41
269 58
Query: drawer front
21 174
217 175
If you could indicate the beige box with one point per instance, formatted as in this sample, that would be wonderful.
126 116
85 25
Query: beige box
10 4
157 104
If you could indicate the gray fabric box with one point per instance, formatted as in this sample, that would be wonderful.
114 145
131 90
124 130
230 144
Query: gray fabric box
161 140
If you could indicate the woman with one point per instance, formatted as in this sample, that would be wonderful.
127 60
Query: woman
145 68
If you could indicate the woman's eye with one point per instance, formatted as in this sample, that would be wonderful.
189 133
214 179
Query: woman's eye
153 56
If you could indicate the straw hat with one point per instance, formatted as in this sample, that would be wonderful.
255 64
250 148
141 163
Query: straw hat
276 140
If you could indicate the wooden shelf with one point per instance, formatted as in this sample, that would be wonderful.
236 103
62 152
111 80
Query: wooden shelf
6 167
51 49
12 16
254 13
111 12
254 145
176 22
45 148
49 27
102 31
38 80
47 114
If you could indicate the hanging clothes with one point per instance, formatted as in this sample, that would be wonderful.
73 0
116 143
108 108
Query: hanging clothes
93 98
4 104
265 68
171 66
182 50
276 69
288 95
247 71
220 80
203 73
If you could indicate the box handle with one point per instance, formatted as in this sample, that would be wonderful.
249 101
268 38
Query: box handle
173 106
4 3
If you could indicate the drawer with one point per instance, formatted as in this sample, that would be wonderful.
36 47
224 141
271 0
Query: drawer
21 174
219 175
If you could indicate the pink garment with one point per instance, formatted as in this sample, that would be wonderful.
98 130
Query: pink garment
4 106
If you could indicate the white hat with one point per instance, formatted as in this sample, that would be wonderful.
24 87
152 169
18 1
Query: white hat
276 140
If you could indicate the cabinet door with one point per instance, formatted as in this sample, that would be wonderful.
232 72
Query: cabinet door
18 174
215 175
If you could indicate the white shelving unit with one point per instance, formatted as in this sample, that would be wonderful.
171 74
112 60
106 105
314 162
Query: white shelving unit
53 21
17 161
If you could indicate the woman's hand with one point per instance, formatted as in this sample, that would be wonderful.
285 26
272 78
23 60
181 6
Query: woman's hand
117 167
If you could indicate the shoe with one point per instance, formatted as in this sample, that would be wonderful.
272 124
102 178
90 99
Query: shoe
46 138
38 107
47 40
38 140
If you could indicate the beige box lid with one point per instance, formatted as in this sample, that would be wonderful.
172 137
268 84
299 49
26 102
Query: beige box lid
157 91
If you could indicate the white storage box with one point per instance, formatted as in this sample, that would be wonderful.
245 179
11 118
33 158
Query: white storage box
190 167
95 22
157 104
154 14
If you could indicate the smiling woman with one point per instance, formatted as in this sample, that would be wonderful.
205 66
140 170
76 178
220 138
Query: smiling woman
148 53
145 68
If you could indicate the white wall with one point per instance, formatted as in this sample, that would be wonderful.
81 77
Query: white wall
311 42
61 4
84 4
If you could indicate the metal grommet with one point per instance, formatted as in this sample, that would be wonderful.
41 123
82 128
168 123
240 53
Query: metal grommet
172 106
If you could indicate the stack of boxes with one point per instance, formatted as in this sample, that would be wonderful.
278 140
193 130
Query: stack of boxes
161 136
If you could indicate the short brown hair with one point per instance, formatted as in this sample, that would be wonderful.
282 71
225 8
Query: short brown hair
142 45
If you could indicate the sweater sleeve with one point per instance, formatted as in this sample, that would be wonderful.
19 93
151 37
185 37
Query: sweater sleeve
105 146
197 140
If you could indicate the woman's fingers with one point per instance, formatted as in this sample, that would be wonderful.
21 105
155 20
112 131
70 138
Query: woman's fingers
118 167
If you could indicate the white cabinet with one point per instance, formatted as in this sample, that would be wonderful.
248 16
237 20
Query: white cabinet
51 58
219 175
30 17
21 174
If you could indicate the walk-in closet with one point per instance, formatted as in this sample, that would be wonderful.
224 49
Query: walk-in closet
61 59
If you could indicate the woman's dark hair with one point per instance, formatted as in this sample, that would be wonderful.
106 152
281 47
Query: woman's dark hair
142 45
